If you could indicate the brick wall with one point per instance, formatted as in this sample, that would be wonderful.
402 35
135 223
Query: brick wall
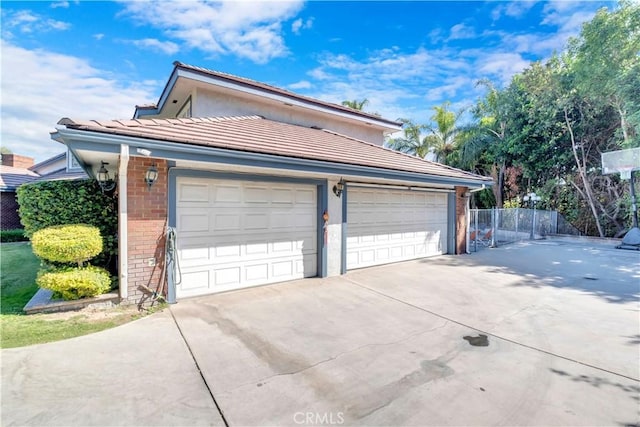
461 220
147 222
17 161
9 218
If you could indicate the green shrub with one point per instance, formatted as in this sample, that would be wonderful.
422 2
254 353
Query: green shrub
16 235
67 243
48 203
75 283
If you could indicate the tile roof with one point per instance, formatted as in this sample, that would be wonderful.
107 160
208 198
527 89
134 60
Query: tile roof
258 135
12 177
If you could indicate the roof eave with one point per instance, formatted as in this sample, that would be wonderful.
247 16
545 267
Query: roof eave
109 142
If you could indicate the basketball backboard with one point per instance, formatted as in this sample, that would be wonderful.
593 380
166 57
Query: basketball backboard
621 161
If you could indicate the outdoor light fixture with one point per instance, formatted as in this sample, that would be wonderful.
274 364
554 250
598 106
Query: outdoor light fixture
337 189
533 198
104 180
151 176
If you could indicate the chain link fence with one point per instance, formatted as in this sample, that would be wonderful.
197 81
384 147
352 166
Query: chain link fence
493 227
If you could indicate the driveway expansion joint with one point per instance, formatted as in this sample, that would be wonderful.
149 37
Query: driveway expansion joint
204 380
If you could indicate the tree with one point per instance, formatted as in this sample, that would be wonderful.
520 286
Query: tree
444 133
482 148
355 104
607 66
411 142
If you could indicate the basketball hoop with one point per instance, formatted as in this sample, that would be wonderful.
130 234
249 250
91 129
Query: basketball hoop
625 162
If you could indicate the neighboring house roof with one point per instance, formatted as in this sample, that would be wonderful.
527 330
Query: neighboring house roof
12 177
62 175
48 162
258 135
252 85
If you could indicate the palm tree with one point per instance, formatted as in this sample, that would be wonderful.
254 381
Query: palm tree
486 139
445 134
411 143
355 104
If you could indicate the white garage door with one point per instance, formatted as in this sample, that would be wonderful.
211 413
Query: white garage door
393 225
234 234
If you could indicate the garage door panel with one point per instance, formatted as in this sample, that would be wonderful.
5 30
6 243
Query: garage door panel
399 225
194 222
242 234
198 193
195 280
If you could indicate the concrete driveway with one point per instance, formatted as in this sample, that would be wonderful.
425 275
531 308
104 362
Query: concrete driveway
543 333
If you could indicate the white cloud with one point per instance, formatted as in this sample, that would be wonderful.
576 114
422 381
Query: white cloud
61 4
27 22
390 78
513 9
98 36
461 31
165 47
251 30
40 87
299 24
302 84
500 65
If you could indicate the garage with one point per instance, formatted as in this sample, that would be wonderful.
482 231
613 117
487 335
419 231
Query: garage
233 234
391 225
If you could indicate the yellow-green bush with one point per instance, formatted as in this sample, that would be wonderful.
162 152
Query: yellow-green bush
67 243
76 283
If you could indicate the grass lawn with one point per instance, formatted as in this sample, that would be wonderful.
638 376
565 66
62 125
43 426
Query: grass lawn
18 269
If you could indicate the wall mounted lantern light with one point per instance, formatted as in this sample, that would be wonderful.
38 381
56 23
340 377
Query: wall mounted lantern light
151 176
338 188
104 180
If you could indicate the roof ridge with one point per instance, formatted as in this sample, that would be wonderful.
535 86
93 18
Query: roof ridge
402 154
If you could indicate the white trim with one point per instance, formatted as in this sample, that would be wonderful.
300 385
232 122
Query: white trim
398 187
123 252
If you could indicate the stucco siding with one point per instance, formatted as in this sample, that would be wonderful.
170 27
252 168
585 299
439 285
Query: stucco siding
209 104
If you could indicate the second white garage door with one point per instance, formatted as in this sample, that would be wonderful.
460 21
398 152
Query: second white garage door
234 234
386 226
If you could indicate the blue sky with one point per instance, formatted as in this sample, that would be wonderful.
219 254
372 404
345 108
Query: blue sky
97 60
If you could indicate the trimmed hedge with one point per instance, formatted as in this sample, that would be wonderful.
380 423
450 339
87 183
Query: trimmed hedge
67 243
15 235
48 203
75 283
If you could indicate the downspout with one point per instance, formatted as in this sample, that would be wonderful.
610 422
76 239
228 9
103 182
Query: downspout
123 250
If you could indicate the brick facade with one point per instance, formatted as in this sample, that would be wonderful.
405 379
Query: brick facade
9 218
146 228
461 220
